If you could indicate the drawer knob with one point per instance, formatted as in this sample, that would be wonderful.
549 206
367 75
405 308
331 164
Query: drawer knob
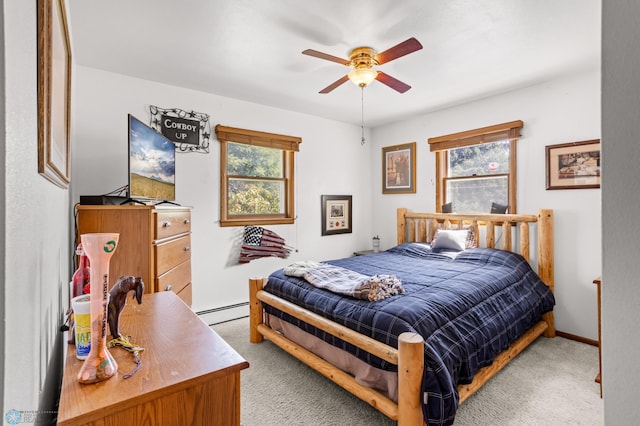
187 248
166 224
168 287
187 221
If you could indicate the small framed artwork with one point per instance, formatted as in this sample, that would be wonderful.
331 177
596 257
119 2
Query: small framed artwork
336 214
54 92
399 169
573 165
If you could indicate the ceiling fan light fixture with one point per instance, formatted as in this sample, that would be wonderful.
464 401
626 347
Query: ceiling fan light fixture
363 59
361 77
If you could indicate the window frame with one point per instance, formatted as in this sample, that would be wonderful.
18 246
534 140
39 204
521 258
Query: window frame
442 144
289 145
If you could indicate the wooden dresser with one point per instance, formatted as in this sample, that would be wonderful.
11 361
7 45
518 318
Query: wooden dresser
189 375
155 244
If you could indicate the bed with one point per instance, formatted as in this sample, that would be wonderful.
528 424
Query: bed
429 360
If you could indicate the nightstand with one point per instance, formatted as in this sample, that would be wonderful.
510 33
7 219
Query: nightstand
362 252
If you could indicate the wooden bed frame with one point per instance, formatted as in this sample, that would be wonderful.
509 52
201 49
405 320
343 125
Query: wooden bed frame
409 356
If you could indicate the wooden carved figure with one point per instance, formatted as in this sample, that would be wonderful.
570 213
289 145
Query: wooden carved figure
118 299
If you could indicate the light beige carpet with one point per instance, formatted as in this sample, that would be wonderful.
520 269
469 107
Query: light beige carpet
550 383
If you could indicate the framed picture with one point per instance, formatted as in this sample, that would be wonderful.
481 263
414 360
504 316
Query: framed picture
336 214
573 165
54 92
399 169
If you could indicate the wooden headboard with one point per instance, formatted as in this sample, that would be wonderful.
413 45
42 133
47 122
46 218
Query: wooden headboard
421 227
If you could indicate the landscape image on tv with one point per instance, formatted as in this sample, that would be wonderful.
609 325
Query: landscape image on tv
151 163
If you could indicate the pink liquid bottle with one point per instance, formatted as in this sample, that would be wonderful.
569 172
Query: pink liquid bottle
82 275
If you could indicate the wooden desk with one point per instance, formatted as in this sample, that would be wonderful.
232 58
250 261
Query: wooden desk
598 282
189 375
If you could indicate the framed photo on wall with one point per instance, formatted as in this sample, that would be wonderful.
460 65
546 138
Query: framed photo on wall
54 92
573 165
399 169
336 214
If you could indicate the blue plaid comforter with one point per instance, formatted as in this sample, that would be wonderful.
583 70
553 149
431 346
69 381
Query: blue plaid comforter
467 306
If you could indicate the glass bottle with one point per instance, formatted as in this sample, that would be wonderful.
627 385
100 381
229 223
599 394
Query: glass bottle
82 275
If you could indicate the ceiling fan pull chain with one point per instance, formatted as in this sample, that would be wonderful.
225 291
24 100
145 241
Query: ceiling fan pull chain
362 120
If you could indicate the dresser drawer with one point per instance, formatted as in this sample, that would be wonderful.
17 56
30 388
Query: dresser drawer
175 279
169 223
171 253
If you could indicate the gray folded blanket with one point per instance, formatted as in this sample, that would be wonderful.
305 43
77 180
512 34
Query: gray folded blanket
345 281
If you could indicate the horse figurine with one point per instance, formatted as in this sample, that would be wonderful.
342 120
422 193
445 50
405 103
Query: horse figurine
118 298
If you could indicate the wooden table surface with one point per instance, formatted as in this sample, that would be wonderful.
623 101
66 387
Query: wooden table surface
181 353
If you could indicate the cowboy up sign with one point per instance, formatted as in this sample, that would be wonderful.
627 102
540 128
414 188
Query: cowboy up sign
180 130
188 130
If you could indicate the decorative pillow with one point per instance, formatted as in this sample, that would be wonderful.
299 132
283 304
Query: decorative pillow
471 242
447 208
498 208
452 239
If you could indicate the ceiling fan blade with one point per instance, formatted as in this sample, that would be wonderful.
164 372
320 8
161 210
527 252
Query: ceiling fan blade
394 83
399 50
334 84
326 56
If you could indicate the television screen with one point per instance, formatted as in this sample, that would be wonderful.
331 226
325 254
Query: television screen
152 160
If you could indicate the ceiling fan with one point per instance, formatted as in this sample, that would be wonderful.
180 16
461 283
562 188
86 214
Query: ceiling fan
363 59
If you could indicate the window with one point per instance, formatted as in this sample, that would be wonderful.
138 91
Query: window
256 177
477 167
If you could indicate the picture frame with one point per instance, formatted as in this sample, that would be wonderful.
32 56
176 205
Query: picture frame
574 165
399 169
54 93
337 211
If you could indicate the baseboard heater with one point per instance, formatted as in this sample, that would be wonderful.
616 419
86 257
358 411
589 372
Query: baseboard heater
224 313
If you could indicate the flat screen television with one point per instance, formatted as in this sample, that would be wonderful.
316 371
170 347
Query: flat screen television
152 164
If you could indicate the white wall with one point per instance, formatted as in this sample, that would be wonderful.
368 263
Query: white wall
560 111
37 214
331 161
620 208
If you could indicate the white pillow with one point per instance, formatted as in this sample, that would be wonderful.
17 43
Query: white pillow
452 239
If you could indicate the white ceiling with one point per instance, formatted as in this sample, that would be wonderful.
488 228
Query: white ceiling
251 49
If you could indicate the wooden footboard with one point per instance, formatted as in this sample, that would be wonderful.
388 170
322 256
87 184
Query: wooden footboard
409 356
